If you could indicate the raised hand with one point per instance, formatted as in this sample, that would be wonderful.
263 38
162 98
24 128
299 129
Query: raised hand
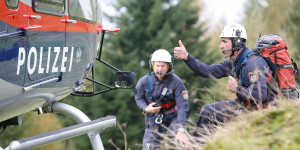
180 52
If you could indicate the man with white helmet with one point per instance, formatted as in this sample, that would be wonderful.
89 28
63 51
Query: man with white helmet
249 84
163 98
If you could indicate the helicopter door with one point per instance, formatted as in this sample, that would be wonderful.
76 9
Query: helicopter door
46 40
81 35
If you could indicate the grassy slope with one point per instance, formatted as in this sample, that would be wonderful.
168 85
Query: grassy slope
273 129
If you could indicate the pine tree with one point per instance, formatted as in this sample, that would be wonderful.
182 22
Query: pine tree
145 26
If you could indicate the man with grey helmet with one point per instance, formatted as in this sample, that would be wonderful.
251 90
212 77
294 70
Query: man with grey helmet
163 98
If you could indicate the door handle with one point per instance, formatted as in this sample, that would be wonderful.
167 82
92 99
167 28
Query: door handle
31 27
68 21
33 16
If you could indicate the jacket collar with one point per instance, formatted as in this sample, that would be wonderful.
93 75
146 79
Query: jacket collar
240 54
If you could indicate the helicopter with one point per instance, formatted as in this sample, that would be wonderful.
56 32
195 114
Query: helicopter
48 49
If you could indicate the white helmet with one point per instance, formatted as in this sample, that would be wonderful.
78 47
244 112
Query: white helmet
229 31
163 56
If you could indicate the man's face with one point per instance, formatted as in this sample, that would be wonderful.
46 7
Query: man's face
226 46
160 68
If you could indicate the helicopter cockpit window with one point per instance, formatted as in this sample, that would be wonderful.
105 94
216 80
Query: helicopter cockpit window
99 11
54 7
12 4
83 10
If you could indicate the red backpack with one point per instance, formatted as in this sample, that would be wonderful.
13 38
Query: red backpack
274 49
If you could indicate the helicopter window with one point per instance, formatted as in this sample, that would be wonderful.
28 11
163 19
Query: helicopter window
12 4
99 11
83 10
55 7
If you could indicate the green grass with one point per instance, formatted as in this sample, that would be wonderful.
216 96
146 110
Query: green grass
272 129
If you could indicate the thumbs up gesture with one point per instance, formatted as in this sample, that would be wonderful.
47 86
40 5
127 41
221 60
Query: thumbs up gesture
180 52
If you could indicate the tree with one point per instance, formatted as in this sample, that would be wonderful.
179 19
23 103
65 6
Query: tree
294 29
145 26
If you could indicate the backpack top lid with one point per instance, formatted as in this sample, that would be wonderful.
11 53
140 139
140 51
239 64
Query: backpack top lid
269 43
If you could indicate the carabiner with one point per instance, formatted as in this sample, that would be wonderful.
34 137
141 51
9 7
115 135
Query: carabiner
159 119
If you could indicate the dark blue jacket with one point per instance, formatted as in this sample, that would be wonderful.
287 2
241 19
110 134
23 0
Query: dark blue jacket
254 81
178 93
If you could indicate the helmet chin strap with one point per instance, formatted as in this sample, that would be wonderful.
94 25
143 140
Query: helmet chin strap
232 52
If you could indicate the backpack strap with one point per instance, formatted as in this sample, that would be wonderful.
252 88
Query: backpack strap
165 92
241 65
286 66
149 89
166 89
295 67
